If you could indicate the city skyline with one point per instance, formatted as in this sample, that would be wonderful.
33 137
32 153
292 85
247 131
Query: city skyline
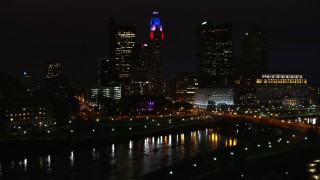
76 33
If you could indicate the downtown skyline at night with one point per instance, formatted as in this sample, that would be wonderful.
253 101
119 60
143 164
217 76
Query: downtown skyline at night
155 89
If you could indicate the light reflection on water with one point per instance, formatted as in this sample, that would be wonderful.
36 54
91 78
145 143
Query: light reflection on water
121 160
71 159
48 167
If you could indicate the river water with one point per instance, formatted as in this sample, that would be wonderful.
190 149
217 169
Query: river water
123 160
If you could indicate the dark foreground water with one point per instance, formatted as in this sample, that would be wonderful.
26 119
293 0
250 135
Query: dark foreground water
126 160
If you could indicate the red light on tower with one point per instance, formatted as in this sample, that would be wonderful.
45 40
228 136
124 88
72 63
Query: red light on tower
151 35
162 35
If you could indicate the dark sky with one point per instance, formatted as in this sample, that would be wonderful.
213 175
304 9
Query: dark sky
75 31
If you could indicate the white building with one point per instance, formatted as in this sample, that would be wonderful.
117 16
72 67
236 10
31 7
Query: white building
213 97
106 92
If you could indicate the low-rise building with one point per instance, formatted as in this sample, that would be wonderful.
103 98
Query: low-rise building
282 89
184 87
218 96
27 111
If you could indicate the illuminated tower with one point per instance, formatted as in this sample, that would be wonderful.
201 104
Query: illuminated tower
214 54
156 58
121 45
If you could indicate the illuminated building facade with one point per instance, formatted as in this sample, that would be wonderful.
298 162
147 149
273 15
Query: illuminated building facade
184 87
121 45
113 92
313 94
282 89
214 54
53 69
205 97
140 71
27 111
156 37
55 81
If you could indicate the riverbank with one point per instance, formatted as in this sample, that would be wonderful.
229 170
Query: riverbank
37 145
115 132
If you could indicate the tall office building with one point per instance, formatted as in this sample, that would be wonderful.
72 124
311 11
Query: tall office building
55 81
255 52
53 69
156 54
214 54
120 53
106 72
140 71
254 62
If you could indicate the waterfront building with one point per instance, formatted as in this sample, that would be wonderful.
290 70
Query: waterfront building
211 97
27 111
282 89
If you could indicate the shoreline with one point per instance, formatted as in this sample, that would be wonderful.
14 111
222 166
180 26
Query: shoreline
42 145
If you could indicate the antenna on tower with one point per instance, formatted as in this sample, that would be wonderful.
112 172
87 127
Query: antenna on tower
156 2
156 7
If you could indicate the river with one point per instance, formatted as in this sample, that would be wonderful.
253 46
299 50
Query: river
123 160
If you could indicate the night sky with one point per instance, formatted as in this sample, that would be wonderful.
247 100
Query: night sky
75 31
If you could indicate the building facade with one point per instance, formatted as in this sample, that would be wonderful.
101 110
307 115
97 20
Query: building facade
27 111
141 71
55 81
255 51
156 37
113 92
184 87
122 39
214 54
206 97
282 90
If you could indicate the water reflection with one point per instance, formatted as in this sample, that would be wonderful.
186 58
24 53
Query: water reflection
48 167
71 159
25 165
126 160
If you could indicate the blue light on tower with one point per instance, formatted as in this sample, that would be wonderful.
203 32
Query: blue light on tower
155 21
24 73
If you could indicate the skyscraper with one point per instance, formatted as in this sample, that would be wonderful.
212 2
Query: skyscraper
214 54
53 69
255 52
106 72
55 81
254 62
120 53
156 57
140 71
